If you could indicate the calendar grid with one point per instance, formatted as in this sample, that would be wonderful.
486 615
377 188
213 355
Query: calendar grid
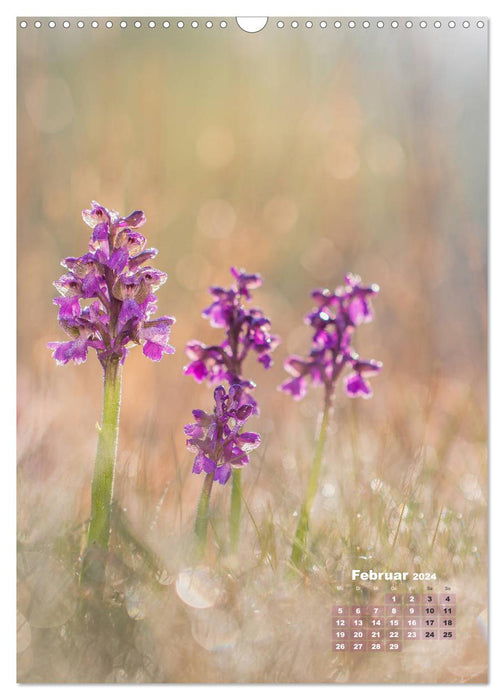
388 624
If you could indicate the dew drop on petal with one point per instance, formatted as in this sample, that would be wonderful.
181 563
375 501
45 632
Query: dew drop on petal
198 588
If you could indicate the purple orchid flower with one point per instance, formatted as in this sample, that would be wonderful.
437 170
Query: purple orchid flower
217 438
334 320
246 330
107 300
107 295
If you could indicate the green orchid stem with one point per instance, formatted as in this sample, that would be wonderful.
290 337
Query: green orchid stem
299 545
201 524
93 566
235 509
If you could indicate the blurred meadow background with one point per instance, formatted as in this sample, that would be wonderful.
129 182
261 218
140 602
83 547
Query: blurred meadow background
300 154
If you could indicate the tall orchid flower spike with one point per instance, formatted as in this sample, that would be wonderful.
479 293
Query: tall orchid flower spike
334 319
107 302
246 331
220 444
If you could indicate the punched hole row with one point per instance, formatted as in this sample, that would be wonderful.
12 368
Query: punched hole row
281 24
137 24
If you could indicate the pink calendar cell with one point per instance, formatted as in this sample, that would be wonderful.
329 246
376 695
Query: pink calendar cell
447 598
430 634
357 622
447 634
376 610
375 634
412 634
376 646
393 610
429 622
393 598
411 610
359 610
393 622
358 634
341 646
412 599
357 646
429 598
340 610
447 623
394 634
376 622
340 635
340 622
448 610
412 623
394 646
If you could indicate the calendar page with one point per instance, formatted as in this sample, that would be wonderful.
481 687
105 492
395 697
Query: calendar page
252 360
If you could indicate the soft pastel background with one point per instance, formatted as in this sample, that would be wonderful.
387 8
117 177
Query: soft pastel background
301 154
